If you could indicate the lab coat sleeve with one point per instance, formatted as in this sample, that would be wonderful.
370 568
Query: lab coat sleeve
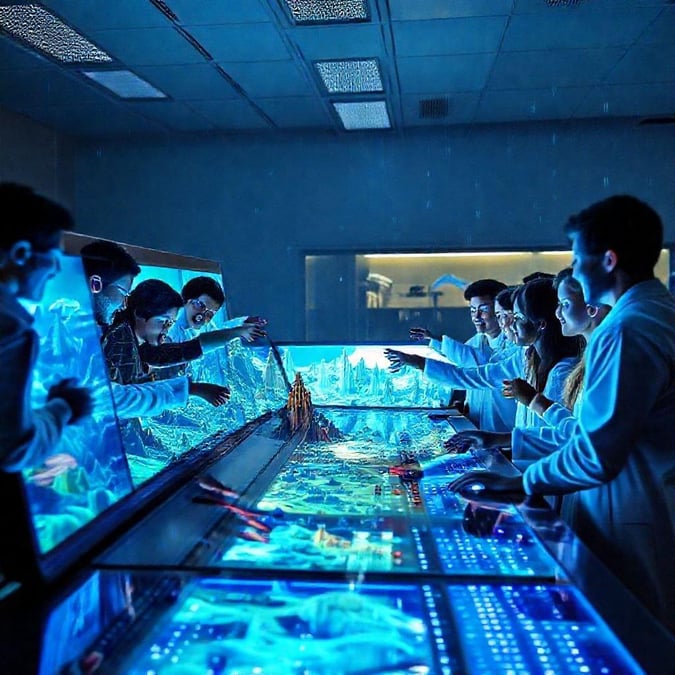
27 435
561 421
436 345
624 378
463 354
488 376
529 444
150 398
555 382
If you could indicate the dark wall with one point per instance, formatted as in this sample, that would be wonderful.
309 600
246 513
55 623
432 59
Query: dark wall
34 155
256 203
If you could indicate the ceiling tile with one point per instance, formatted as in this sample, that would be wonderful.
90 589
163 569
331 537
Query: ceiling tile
208 12
230 114
661 31
407 10
269 79
645 65
147 46
576 30
188 82
297 111
584 6
176 116
540 66
640 100
461 109
94 15
531 105
337 42
459 73
457 36
242 42
560 68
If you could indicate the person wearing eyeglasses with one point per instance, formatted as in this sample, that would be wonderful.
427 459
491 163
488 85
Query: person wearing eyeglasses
149 312
110 271
486 408
30 252
203 298
545 359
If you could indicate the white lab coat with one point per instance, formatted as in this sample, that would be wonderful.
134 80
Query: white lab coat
490 376
488 409
621 452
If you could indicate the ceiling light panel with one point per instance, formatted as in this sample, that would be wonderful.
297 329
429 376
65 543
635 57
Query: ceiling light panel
124 83
363 115
38 28
327 11
349 77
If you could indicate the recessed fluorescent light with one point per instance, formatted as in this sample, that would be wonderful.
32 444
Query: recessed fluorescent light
124 83
348 77
38 28
464 254
328 11
363 115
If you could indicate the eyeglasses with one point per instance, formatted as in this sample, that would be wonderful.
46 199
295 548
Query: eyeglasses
481 309
96 284
203 309
123 291
165 321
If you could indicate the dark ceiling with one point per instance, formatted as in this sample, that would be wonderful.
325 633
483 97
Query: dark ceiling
248 65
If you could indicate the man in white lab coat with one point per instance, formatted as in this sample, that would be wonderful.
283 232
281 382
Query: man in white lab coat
620 458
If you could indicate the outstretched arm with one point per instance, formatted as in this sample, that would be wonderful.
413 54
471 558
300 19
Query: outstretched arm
488 376
399 359
250 330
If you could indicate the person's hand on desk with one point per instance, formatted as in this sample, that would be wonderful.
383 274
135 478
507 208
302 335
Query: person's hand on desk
489 486
463 441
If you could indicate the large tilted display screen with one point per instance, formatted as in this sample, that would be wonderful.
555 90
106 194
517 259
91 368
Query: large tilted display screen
352 375
87 471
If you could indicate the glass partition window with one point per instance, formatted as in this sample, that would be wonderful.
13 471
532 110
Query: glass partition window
356 297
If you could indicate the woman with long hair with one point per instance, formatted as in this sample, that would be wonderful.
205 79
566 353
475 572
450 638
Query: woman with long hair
545 360
549 357
576 318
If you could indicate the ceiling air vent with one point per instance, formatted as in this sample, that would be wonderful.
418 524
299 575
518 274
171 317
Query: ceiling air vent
434 108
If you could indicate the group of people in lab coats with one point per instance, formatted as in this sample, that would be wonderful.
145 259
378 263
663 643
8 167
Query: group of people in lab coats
595 428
